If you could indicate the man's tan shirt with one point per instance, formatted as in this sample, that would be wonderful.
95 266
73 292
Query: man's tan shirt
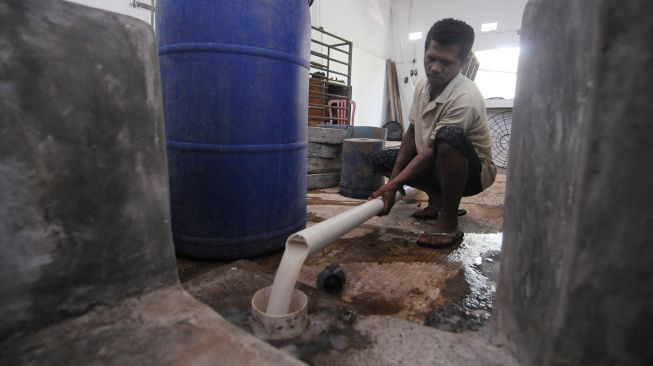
460 104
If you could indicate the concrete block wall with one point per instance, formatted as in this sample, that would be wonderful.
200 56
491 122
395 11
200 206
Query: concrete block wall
82 153
324 155
576 280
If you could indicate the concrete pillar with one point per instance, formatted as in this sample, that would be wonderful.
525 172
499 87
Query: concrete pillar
576 280
84 215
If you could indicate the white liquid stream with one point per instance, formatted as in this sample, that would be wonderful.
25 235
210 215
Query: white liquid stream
287 275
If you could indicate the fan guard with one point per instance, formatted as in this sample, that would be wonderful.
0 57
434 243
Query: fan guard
500 125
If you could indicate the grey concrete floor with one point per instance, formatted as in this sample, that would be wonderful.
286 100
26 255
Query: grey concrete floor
162 327
437 298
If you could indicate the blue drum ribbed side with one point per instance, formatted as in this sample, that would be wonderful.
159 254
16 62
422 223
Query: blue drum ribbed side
234 77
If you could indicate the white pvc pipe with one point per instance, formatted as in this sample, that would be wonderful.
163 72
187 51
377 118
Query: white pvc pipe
308 241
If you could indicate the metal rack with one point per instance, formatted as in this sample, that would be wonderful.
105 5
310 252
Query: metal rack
330 68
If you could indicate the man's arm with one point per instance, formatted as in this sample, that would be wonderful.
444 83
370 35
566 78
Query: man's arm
408 165
389 190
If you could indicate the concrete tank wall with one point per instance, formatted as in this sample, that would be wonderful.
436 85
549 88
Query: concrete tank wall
576 279
84 215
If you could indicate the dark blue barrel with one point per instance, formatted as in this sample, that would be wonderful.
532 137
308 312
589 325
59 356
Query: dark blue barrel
234 77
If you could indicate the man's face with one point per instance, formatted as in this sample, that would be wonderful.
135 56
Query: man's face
441 64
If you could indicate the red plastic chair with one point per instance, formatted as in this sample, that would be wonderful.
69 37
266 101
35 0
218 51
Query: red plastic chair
341 111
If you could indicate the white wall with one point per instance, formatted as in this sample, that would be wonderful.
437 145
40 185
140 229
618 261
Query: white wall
379 30
419 15
367 24
118 6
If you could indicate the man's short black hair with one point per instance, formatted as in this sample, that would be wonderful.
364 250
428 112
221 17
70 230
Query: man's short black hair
450 32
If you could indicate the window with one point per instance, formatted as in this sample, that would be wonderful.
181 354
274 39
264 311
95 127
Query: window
497 73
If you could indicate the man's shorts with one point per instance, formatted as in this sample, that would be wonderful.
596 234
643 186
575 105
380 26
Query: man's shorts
385 159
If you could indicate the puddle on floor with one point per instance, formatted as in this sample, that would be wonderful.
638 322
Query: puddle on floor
479 255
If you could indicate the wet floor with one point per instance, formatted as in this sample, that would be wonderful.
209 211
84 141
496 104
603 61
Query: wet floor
387 273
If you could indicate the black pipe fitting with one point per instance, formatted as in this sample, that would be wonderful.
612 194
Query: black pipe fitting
332 279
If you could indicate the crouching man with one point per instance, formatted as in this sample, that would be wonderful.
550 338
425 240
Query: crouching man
446 151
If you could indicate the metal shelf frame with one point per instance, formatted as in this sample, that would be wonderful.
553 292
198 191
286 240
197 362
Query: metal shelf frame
330 69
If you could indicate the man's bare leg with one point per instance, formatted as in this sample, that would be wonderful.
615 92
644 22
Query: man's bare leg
452 169
431 211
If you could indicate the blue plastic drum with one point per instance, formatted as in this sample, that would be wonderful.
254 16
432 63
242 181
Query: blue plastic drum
234 77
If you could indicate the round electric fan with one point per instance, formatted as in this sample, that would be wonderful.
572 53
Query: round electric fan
500 125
